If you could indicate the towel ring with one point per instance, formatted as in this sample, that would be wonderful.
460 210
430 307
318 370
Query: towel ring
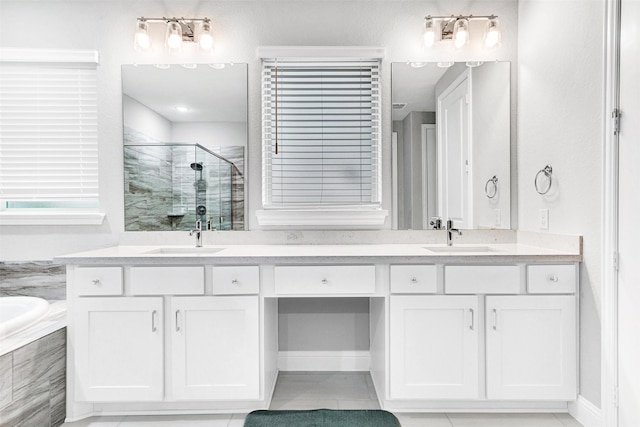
547 170
491 187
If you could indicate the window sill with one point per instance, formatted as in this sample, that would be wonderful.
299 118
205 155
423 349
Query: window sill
32 217
332 219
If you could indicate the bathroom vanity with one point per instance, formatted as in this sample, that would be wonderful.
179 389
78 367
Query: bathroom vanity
180 329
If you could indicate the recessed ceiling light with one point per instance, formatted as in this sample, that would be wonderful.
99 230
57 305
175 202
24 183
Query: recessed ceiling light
182 108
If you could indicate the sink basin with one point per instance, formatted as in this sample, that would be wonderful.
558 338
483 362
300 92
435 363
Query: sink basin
185 250
456 249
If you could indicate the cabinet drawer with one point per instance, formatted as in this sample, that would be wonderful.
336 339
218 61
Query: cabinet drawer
551 279
482 279
234 280
409 279
167 280
90 281
325 280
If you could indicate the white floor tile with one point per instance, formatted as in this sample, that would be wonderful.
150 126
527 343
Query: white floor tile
337 385
237 420
423 420
567 420
358 404
96 422
176 420
298 404
504 420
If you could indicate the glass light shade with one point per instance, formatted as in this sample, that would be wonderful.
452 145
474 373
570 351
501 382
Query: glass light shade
492 37
205 39
174 35
141 39
429 32
461 32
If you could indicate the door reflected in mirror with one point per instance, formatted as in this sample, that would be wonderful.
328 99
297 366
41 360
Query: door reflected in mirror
451 145
185 137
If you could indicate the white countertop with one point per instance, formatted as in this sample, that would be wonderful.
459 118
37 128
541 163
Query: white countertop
333 254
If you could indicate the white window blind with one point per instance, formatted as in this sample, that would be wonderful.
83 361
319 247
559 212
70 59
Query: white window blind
321 133
48 131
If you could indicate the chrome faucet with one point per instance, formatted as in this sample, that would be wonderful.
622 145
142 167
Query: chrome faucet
198 231
450 231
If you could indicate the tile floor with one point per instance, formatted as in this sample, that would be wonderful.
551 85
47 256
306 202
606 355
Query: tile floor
333 390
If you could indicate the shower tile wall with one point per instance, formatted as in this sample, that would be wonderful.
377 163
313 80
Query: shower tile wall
33 278
160 192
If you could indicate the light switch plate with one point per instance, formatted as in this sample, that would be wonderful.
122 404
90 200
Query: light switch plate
543 219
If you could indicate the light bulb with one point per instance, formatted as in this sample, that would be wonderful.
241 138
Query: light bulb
141 40
205 39
429 32
174 35
492 37
461 32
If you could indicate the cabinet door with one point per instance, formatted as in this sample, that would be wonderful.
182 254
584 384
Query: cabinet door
215 347
531 347
434 347
119 349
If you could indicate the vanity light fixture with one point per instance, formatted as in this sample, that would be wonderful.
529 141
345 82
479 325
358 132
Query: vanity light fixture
178 31
456 29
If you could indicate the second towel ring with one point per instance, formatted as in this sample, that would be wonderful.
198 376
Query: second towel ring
491 187
547 171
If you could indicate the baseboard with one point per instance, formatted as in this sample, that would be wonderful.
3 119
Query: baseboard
587 414
324 361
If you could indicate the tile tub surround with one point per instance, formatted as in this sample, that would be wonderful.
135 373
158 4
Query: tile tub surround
33 383
42 279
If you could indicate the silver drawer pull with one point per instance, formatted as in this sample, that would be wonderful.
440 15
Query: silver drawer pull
96 282
177 321
153 320
234 281
473 320
553 278
495 319
325 281
414 279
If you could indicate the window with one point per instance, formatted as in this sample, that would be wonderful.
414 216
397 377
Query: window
321 135
48 131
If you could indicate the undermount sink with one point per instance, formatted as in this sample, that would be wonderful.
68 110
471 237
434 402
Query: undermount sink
185 250
456 249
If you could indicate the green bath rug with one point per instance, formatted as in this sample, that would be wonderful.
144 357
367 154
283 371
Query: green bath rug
322 418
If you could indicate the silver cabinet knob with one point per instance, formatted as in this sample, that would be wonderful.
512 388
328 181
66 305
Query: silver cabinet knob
414 280
325 281
553 278
234 281
96 282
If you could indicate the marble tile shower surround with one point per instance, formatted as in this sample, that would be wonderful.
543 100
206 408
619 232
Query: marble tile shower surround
33 278
159 181
33 383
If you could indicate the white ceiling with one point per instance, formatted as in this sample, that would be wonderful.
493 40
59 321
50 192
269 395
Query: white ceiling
212 95
415 87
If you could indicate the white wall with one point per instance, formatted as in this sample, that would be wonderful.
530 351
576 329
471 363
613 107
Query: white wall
210 134
145 120
560 122
239 28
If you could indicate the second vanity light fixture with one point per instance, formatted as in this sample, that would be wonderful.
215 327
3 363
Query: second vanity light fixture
178 31
456 29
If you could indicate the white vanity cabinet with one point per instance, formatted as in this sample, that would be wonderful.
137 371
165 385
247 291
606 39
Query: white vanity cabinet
118 349
531 347
215 347
504 342
434 347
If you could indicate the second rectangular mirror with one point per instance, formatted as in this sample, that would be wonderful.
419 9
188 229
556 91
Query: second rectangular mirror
451 144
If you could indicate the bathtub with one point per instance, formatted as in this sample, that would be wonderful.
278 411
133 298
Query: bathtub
19 312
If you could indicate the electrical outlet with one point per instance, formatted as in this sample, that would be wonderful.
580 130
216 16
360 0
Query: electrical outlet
497 217
543 219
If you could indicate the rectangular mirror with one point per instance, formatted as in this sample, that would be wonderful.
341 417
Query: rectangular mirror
185 137
451 144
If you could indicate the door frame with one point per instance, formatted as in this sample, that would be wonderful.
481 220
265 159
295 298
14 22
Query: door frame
610 199
426 182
